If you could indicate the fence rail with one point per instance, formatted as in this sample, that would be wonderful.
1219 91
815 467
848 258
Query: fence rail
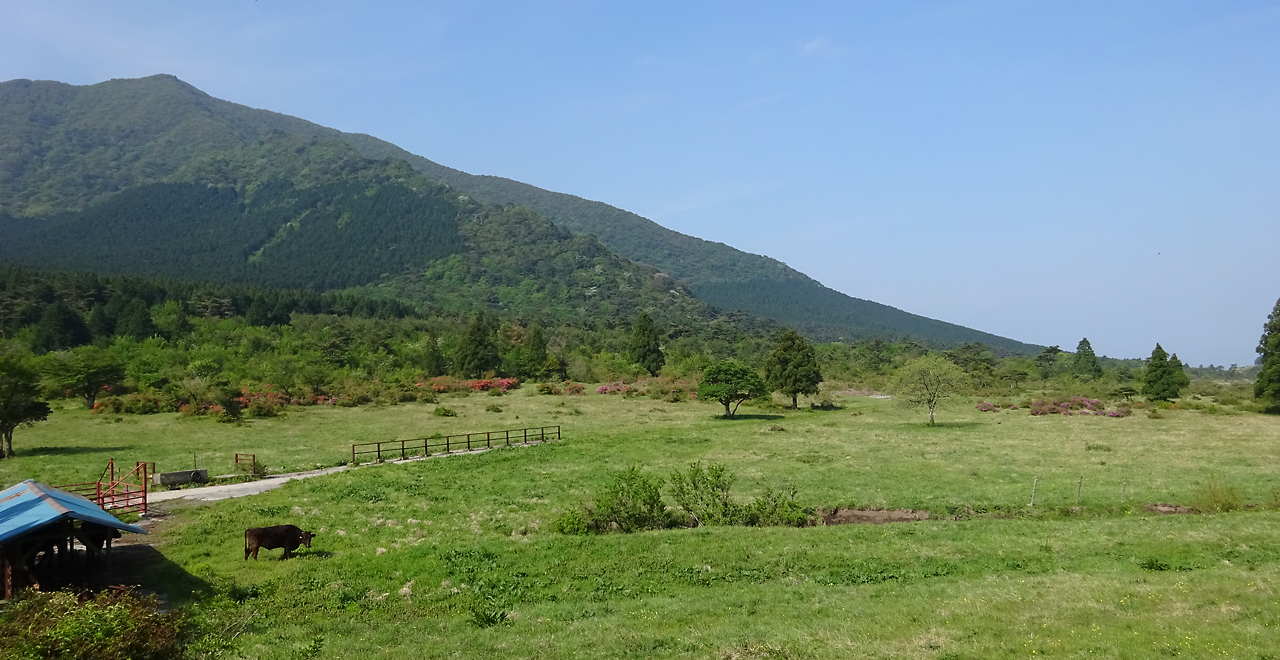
117 494
248 463
451 443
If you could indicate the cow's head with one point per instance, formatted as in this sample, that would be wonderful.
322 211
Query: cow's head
306 538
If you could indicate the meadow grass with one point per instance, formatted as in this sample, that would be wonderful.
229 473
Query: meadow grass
410 557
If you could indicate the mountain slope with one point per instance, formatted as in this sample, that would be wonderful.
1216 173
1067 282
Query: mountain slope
65 148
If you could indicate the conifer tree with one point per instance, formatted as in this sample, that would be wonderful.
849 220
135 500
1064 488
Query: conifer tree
1164 378
1086 362
478 353
434 364
1267 387
135 321
59 328
537 352
645 348
792 367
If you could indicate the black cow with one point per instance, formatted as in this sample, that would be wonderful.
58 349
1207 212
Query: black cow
288 537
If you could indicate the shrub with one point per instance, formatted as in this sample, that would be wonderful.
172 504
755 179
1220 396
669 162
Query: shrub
985 406
493 407
441 411
1216 496
548 388
497 391
674 395
573 523
824 402
574 389
632 501
427 396
108 626
777 509
703 493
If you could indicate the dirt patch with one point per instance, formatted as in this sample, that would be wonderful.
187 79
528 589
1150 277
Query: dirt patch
1161 507
847 516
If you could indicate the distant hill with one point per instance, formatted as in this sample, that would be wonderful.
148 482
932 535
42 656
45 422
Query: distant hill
67 148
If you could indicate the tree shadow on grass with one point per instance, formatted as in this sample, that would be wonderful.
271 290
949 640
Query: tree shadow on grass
946 425
738 417
69 451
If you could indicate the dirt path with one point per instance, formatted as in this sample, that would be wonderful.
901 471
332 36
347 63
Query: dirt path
227 491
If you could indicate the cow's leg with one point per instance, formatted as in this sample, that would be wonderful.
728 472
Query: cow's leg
255 552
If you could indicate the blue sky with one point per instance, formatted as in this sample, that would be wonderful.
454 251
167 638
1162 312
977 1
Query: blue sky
1041 170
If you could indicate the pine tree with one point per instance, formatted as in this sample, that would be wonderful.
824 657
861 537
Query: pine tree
1086 362
1267 387
645 348
792 367
135 321
536 357
434 364
1165 377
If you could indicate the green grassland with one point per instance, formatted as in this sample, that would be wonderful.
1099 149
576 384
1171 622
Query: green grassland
410 557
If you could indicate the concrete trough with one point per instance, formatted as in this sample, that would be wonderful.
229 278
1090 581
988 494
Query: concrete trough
181 478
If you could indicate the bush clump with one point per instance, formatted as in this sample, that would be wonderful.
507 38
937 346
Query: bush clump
441 411
108 626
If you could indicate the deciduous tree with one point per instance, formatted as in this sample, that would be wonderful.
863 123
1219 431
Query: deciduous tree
19 398
928 380
730 383
85 372
792 367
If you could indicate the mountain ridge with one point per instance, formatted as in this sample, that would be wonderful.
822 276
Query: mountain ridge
145 127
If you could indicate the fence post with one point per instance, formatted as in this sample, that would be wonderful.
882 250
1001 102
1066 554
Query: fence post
487 443
508 434
426 446
446 443
468 442
402 450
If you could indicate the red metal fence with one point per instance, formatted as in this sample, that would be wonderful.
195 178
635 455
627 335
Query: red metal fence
451 443
126 493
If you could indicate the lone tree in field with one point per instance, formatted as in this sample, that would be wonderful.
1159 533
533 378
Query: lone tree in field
928 380
19 399
1267 387
730 383
1086 362
645 348
1165 377
792 367
85 372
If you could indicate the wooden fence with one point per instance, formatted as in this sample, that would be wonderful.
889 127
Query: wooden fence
125 493
399 449
247 463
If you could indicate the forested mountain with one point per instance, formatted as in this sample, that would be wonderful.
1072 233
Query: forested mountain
66 149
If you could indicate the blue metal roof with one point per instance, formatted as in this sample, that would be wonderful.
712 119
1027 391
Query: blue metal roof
31 505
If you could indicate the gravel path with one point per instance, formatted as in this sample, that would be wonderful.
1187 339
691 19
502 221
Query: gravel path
215 493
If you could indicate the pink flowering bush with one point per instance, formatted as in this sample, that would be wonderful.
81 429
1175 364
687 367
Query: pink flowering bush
986 406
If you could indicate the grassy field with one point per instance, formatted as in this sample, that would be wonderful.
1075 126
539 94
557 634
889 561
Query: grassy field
410 557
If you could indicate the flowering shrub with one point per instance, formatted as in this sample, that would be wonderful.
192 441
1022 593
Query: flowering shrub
1076 405
986 406
548 388
575 389
486 384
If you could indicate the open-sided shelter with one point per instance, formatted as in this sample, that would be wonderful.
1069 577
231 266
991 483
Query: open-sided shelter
39 526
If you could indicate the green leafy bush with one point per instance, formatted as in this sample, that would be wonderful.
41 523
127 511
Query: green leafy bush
493 408
631 502
777 509
111 625
441 411
703 493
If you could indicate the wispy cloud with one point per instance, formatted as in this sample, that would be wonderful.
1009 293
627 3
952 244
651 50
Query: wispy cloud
763 101
820 46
